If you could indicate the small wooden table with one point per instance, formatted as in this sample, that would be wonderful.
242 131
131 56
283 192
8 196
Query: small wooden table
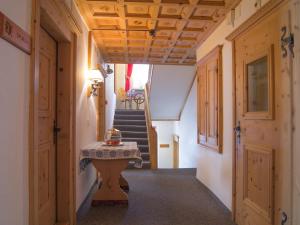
110 161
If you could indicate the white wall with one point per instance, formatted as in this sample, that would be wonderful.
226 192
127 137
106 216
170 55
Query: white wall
120 71
86 125
165 131
169 87
14 111
187 132
213 169
85 117
111 99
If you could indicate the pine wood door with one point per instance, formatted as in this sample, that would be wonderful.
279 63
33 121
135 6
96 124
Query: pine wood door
263 114
176 152
46 114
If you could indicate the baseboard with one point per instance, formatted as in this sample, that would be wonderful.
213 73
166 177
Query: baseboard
81 207
214 196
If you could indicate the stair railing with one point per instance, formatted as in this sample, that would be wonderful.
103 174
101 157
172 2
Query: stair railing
152 134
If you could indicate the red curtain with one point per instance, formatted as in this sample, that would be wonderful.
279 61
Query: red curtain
128 76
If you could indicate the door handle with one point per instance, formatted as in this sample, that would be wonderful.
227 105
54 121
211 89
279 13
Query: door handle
284 218
238 130
56 130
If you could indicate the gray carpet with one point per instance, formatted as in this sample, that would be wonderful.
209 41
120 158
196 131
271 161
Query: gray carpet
162 197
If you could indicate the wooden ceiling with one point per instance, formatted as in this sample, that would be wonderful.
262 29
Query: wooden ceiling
122 28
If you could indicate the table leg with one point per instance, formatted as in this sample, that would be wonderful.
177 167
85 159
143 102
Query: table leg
110 191
123 183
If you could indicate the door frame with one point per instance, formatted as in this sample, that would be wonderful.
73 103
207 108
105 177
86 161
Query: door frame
176 156
49 15
256 18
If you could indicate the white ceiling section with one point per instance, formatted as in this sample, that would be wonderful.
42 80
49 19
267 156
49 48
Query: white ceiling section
170 86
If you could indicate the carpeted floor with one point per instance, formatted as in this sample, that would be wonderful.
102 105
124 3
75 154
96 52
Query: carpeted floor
162 197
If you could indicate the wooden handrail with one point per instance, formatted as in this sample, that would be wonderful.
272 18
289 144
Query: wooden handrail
152 134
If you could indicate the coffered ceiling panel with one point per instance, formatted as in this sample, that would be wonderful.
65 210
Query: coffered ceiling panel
152 31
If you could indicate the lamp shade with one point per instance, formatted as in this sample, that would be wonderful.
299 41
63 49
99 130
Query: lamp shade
95 74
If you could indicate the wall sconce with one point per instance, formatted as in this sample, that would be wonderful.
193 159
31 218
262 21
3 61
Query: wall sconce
96 78
109 70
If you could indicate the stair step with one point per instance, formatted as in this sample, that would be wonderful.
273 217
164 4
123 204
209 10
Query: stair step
133 134
146 165
131 128
145 156
140 141
130 122
143 148
129 112
129 117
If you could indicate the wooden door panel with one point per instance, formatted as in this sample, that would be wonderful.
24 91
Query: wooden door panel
212 104
258 180
46 114
44 178
202 96
45 135
209 100
44 84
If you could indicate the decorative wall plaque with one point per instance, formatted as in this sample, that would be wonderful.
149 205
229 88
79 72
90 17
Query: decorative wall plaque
14 34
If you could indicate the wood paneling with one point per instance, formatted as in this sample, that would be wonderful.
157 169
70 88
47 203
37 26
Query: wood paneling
210 100
296 120
12 33
152 134
122 28
101 112
164 146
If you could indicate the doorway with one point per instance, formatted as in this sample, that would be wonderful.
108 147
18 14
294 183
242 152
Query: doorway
176 152
263 122
52 124
47 133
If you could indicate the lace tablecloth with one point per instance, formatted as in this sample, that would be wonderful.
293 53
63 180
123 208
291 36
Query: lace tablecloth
101 151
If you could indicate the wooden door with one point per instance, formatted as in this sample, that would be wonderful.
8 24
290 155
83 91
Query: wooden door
176 152
263 115
46 115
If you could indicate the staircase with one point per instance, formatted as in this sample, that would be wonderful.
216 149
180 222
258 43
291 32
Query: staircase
132 124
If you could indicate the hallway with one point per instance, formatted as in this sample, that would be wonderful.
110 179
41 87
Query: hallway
202 94
162 197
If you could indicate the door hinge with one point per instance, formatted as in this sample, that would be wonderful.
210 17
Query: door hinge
287 41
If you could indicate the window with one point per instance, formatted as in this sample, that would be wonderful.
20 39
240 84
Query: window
258 85
209 100
139 76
